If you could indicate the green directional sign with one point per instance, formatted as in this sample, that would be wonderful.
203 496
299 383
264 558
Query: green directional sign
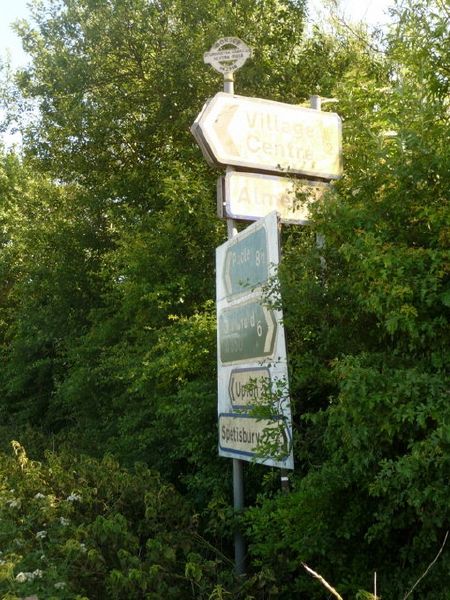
251 351
247 331
246 263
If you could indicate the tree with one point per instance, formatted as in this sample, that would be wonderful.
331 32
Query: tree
369 338
118 86
109 232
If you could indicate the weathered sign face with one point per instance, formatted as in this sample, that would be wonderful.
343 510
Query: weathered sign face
251 196
269 136
251 347
246 262
248 386
227 54
243 434
246 332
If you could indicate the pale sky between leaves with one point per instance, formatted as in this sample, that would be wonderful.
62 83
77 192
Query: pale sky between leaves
374 12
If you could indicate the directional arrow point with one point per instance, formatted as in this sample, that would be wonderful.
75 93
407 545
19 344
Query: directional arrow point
222 124
271 329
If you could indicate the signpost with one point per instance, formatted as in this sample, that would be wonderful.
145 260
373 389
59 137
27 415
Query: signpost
263 135
227 67
269 139
250 196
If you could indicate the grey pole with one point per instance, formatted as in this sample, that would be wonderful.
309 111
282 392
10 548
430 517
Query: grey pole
238 498
219 58
316 103
238 465
284 481
228 83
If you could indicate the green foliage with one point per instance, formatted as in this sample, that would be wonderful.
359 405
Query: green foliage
74 526
367 325
51 243
107 324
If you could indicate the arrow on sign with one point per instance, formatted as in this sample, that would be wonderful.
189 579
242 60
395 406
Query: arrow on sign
271 324
222 125
246 332
246 386
246 264
269 136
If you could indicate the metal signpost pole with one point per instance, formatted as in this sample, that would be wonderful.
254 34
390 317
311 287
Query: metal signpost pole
228 88
316 103
228 83
238 465
238 498
226 56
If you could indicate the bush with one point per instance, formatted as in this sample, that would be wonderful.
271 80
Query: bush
75 527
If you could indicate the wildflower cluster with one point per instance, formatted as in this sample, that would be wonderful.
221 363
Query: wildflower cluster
69 536
22 577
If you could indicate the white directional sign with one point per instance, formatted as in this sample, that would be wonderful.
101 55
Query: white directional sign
250 196
248 386
227 55
252 364
263 135
241 434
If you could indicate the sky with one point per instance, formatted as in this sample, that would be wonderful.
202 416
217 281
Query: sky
11 10
371 11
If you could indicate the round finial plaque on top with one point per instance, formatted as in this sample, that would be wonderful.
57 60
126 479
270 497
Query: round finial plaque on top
227 55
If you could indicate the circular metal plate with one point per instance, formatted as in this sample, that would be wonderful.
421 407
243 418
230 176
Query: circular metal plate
227 55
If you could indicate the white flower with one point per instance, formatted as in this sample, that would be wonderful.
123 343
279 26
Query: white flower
14 503
73 498
38 496
60 585
41 535
64 521
24 576
83 547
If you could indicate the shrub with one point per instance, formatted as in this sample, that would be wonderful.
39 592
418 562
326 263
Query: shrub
75 527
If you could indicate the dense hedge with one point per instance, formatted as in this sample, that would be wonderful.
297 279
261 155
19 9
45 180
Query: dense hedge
107 317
